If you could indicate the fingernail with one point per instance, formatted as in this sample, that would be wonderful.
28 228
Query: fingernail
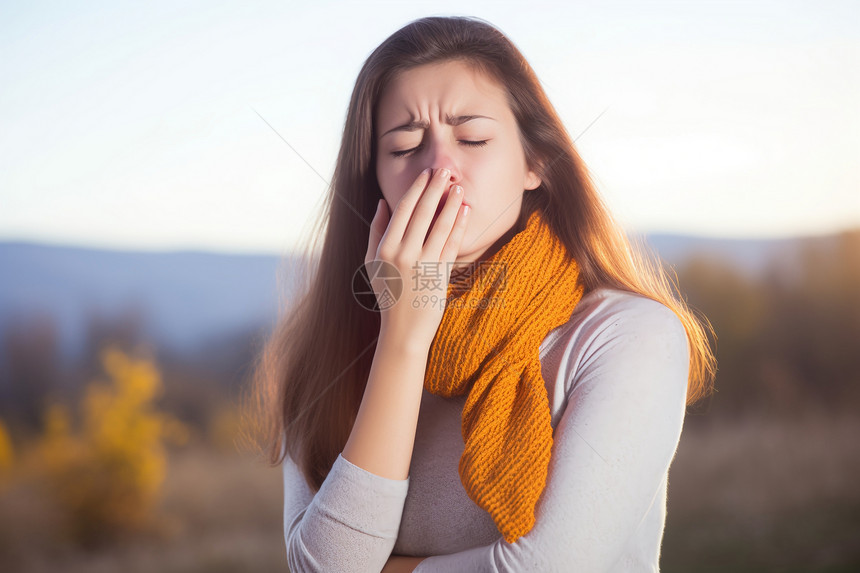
444 173
457 189
426 171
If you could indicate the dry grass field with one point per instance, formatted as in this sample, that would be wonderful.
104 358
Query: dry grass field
220 512
766 495
748 496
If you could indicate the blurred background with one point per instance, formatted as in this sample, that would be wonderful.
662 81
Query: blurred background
160 163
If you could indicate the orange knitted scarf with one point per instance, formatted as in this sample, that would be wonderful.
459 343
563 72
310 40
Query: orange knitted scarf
487 346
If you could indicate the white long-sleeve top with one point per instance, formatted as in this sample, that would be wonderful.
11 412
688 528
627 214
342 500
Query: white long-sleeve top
616 377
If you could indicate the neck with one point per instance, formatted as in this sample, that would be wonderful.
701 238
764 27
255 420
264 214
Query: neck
464 266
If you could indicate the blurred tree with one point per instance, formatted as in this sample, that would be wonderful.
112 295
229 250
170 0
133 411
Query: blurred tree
30 347
787 341
736 310
123 330
7 452
107 475
814 325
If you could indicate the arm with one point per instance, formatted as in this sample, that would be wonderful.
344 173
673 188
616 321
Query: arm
612 449
351 524
383 434
401 564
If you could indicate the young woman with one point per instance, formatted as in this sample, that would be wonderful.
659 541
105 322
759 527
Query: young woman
515 398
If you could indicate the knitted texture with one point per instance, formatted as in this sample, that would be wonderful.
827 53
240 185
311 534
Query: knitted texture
487 345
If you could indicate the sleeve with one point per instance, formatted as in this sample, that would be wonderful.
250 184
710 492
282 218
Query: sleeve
612 449
350 525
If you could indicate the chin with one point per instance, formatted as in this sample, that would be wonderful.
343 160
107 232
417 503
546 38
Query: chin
464 255
468 255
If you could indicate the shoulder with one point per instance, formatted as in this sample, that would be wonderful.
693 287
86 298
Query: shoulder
613 312
616 332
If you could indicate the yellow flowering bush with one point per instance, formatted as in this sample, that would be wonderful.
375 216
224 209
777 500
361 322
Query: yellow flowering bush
7 453
107 475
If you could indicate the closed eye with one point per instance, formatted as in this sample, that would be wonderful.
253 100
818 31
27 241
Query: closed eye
407 152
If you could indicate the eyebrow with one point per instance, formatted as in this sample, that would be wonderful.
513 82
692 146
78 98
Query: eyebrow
418 124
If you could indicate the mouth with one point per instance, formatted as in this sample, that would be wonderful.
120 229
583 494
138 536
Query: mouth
442 205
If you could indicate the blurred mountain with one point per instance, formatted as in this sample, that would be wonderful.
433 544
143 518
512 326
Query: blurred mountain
753 257
184 300
187 301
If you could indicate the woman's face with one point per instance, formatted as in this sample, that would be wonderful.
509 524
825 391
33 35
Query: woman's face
427 117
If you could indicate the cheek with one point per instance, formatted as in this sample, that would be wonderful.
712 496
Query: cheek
502 173
390 182
394 178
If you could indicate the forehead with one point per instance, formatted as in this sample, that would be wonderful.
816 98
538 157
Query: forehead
445 88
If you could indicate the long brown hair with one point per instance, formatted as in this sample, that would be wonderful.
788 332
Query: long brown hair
309 378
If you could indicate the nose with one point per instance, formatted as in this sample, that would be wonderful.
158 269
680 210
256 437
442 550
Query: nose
440 156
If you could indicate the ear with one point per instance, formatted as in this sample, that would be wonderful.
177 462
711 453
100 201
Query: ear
532 181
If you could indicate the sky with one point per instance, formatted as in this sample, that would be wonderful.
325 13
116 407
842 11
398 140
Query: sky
170 125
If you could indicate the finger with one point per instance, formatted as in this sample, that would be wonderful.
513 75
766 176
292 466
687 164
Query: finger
377 228
452 245
416 232
441 229
403 210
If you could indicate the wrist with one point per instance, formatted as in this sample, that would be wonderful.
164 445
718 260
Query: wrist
403 343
